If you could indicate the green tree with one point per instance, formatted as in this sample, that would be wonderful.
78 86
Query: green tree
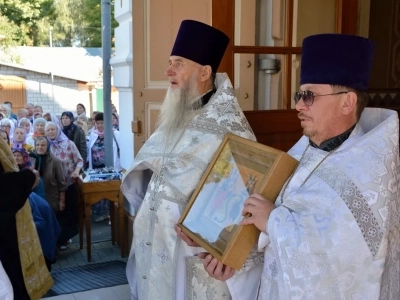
71 22
11 35
89 32
78 23
28 15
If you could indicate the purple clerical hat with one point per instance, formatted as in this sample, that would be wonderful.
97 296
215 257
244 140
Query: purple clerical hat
337 59
200 43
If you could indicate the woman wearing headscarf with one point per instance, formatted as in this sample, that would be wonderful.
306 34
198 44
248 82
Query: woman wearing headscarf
6 110
23 161
72 163
19 140
50 117
27 125
8 126
51 172
20 249
37 115
80 111
43 215
38 130
74 133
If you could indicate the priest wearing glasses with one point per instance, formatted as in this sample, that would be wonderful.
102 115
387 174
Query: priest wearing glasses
334 231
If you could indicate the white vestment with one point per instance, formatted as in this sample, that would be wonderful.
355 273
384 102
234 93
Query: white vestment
160 265
6 289
338 235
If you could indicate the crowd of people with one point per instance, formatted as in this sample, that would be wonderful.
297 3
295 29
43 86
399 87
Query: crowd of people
57 148
334 230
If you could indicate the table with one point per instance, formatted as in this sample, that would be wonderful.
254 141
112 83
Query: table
92 192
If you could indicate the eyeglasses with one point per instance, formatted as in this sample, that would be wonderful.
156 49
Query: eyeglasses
5 126
308 96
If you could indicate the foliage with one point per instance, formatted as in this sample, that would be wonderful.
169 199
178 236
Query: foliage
12 35
26 14
64 22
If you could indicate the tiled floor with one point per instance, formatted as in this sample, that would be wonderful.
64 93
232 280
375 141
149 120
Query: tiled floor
101 251
120 292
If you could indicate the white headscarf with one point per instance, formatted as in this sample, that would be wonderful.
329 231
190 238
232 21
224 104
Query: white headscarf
26 120
8 122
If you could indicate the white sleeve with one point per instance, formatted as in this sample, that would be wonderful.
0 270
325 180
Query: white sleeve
6 289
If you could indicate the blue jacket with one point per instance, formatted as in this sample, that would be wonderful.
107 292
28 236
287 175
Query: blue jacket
46 225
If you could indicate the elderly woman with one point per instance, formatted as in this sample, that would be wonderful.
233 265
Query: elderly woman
27 125
6 110
19 140
50 117
74 133
23 161
38 130
51 172
72 163
43 215
8 126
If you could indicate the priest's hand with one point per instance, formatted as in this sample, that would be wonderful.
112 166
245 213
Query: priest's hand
215 268
184 237
258 209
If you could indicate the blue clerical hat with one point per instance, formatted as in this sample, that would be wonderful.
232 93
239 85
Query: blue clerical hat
200 43
337 59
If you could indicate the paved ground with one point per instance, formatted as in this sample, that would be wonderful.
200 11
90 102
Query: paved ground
102 250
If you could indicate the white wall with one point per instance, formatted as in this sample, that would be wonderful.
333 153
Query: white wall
122 64
40 90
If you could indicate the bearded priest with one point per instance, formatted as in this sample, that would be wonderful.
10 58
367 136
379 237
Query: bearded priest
199 108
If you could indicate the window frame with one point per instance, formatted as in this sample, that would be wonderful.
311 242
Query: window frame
223 18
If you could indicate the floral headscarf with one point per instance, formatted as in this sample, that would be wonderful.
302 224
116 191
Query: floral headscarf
25 157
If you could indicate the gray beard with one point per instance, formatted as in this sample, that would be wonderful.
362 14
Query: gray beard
178 108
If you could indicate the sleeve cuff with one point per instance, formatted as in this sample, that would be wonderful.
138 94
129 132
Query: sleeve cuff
263 241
